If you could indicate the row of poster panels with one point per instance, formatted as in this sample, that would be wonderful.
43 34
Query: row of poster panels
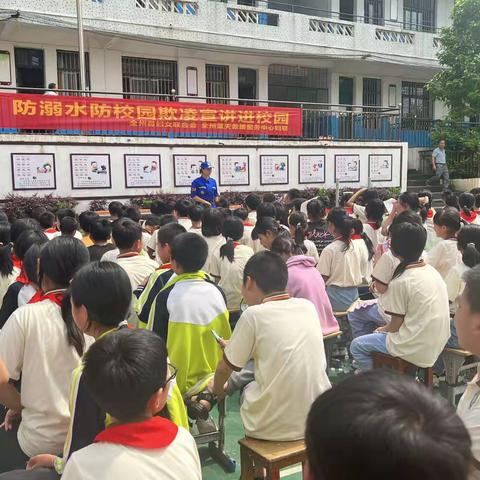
36 171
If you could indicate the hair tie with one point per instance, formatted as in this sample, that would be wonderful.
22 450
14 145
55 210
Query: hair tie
230 239
471 244
298 225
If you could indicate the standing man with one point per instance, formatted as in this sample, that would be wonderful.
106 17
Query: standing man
204 188
439 165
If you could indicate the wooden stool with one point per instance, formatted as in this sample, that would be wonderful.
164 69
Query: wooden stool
382 360
329 342
269 455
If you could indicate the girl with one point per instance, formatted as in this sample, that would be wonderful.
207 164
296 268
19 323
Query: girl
227 265
341 262
444 256
374 211
407 201
419 327
298 225
365 247
41 346
450 199
305 281
317 225
467 206
7 275
212 222
267 230
427 213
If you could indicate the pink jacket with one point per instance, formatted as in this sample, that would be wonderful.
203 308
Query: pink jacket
305 281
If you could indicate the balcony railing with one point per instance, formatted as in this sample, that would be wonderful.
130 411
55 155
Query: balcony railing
325 26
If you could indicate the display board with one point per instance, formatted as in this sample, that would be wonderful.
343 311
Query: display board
380 168
273 169
142 170
90 171
187 168
33 171
234 170
311 169
347 168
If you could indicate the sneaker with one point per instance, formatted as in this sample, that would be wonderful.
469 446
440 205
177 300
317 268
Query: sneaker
206 426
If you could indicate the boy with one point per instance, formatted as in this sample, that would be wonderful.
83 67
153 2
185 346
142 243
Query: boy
284 338
381 425
86 219
195 213
186 310
247 229
127 236
252 201
68 226
127 374
101 235
47 222
68 212
181 210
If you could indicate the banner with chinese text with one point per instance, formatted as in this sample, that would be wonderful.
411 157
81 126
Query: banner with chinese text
48 112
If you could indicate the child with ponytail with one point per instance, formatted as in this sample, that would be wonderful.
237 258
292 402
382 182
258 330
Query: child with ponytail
298 226
467 208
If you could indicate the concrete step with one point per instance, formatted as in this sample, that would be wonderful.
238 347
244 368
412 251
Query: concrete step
420 188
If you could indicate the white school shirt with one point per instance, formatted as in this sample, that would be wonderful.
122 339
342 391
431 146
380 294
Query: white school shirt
78 235
252 216
25 294
468 410
366 264
455 284
444 256
5 282
145 239
375 235
247 237
185 223
34 345
284 338
343 268
231 274
420 296
311 251
198 231
110 256
52 235
109 461
213 244
138 268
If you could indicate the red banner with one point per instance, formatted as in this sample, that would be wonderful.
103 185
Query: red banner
49 112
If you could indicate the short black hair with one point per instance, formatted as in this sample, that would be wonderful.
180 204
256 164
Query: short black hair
158 207
168 232
190 251
21 225
410 199
268 270
374 211
241 213
182 207
152 221
212 222
86 219
167 218
316 209
383 425
370 194
123 369
268 197
264 225
65 212
472 287
294 193
407 216
68 226
101 230
266 209
52 85
448 217
195 212
116 208
26 239
133 213
47 219
125 233
252 201
407 242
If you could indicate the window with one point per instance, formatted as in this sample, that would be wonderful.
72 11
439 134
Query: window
372 92
217 83
147 75
417 106
374 12
419 15
68 71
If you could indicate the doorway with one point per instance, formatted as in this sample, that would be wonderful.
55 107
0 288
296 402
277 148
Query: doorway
345 97
30 69
345 93
247 86
347 10
374 12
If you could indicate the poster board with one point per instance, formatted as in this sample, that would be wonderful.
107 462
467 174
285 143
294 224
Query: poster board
347 168
311 169
187 168
142 170
273 169
234 170
380 168
90 171
33 171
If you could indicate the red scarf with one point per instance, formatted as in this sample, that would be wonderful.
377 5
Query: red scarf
156 432
17 263
165 266
349 210
356 236
128 255
373 225
468 218
50 230
55 296
248 224
431 213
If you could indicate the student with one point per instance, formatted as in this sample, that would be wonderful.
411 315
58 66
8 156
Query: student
101 235
298 226
116 210
31 289
450 199
417 301
269 197
40 347
181 210
195 213
364 245
227 265
477 203
128 376
212 222
305 281
152 243
427 213
252 202
266 230
374 212
248 226
159 208
466 202
266 209
317 225
86 219
7 274
68 226
341 262
406 201
281 213
127 236
444 256
133 213
150 224
291 195
386 419
47 222
285 381
366 195
68 212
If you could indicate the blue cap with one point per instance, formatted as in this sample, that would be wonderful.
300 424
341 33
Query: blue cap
205 165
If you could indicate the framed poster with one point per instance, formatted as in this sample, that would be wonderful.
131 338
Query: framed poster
347 168
33 171
380 168
273 169
90 170
142 170
187 168
311 169
234 170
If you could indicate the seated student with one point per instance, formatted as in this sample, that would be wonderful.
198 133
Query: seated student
266 230
427 213
133 213
68 226
317 231
195 213
284 338
417 302
160 208
86 219
365 195
342 262
281 213
227 264
445 255
127 236
406 201
180 211
450 199
116 210
150 224
212 222
68 212
365 246
305 281
40 347
466 202
374 212
248 226
101 235
47 222
298 226
152 243
268 197
251 203
30 291
7 273
187 308
128 375
386 420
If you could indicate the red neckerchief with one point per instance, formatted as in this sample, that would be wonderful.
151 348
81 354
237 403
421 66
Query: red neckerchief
275 297
430 213
236 244
55 296
373 225
22 278
128 255
17 263
356 236
349 210
50 230
156 432
468 218
248 224
165 266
